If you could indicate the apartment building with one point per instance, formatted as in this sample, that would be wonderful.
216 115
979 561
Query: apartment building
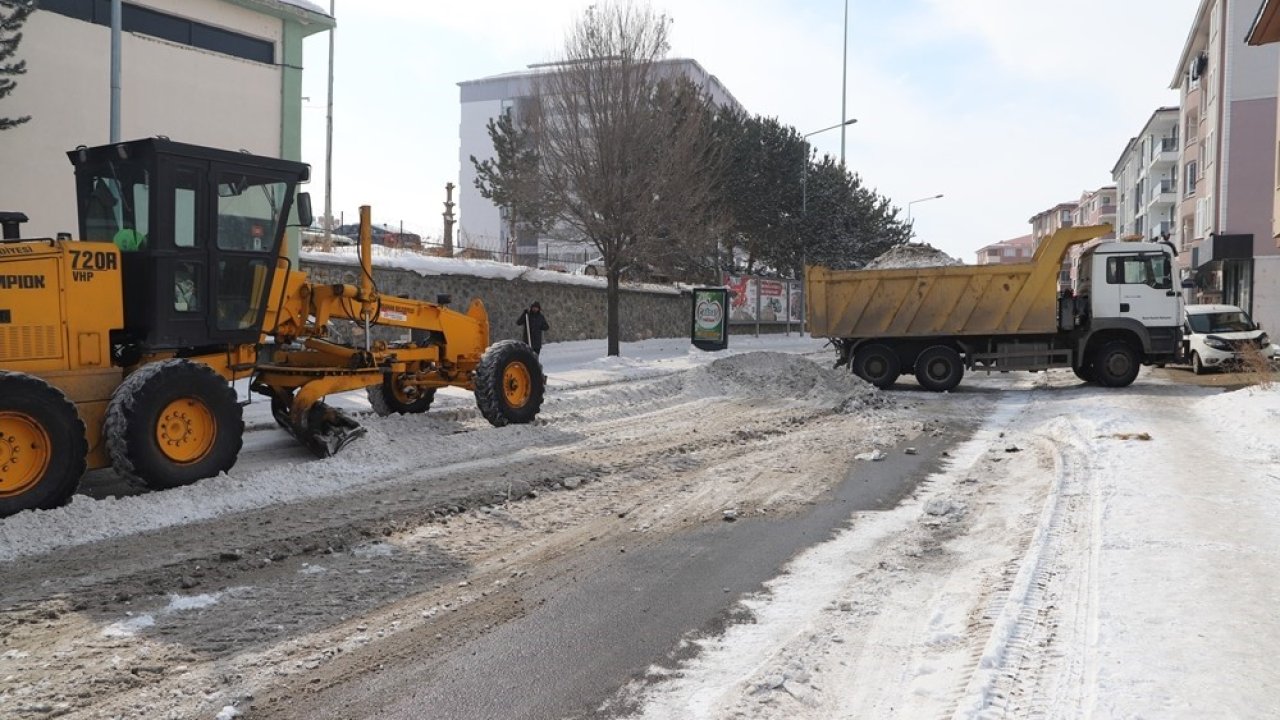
1048 222
1266 268
226 73
482 225
1096 207
1016 250
1227 162
1146 177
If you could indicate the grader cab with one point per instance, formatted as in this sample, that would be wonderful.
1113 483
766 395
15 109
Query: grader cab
122 349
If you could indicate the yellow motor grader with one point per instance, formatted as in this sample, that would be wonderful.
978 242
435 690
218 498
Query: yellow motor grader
123 348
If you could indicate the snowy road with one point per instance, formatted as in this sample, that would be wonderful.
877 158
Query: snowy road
1069 560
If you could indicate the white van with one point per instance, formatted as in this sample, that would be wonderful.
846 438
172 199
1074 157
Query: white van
1216 335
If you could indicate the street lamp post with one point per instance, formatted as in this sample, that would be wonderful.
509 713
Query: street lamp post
923 199
804 176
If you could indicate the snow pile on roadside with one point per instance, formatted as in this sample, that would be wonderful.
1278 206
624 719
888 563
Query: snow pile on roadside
783 375
914 255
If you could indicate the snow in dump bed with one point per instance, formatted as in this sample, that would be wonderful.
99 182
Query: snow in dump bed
914 255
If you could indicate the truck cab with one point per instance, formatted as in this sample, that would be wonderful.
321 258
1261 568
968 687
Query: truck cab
1128 287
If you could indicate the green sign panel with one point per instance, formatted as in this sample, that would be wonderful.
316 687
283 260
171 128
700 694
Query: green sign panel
710 318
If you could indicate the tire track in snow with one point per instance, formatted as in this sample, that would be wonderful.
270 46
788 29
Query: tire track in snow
1035 662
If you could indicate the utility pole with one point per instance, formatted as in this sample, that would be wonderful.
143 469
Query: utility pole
116 21
448 219
328 146
844 80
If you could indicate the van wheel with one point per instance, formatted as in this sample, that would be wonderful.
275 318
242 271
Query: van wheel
172 423
877 364
1116 364
42 445
1196 366
939 368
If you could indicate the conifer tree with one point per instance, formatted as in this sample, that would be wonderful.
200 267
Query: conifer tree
13 14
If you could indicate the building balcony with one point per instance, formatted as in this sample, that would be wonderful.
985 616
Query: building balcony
1163 194
1164 158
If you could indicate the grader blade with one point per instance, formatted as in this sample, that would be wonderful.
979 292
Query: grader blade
325 430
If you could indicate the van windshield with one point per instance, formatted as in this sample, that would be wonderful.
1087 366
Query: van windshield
1229 321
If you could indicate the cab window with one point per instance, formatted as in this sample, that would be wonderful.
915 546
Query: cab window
117 209
1150 270
248 212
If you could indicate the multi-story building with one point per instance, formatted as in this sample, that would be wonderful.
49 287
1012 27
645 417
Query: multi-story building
1227 163
1017 250
226 73
1096 207
1146 177
1048 222
482 225
1266 267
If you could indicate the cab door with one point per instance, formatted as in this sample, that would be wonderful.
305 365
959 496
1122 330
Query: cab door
247 226
1142 284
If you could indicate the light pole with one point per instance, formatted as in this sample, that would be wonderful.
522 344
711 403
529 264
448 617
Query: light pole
923 199
844 80
804 176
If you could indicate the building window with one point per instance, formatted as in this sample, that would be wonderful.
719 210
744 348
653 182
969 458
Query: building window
145 21
1192 175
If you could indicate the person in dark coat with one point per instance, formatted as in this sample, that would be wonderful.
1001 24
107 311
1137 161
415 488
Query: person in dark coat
534 324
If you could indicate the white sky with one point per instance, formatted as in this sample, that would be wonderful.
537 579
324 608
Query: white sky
1006 107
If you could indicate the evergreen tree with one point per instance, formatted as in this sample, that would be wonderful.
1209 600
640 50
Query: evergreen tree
13 14
512 179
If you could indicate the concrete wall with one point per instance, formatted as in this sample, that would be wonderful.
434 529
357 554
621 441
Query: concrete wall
575 312
1266 294
188 94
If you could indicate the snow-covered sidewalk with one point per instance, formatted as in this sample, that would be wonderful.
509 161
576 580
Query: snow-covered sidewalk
1090 553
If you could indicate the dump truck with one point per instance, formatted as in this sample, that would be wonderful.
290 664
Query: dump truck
121 349
936 322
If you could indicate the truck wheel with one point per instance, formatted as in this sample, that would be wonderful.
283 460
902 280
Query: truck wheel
389 398
878 365
939 368
1085 372
42 445
172 423
1196 365
1116 364
509 384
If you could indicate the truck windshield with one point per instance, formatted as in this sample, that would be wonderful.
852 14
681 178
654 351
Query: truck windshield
1229 321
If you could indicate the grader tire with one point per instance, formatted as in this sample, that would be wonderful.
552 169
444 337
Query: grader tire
173 423
509 384
386 399
42 445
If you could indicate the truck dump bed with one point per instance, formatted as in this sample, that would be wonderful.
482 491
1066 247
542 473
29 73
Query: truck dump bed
959 300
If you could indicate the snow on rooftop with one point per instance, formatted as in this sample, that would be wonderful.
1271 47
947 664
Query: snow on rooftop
306 5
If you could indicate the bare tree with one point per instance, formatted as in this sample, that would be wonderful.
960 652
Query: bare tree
626 152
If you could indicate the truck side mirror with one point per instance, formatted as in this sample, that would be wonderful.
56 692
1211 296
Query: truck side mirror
305 216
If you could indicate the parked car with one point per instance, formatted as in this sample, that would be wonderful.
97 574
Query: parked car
1216 335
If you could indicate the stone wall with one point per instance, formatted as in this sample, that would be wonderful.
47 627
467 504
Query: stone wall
575 312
